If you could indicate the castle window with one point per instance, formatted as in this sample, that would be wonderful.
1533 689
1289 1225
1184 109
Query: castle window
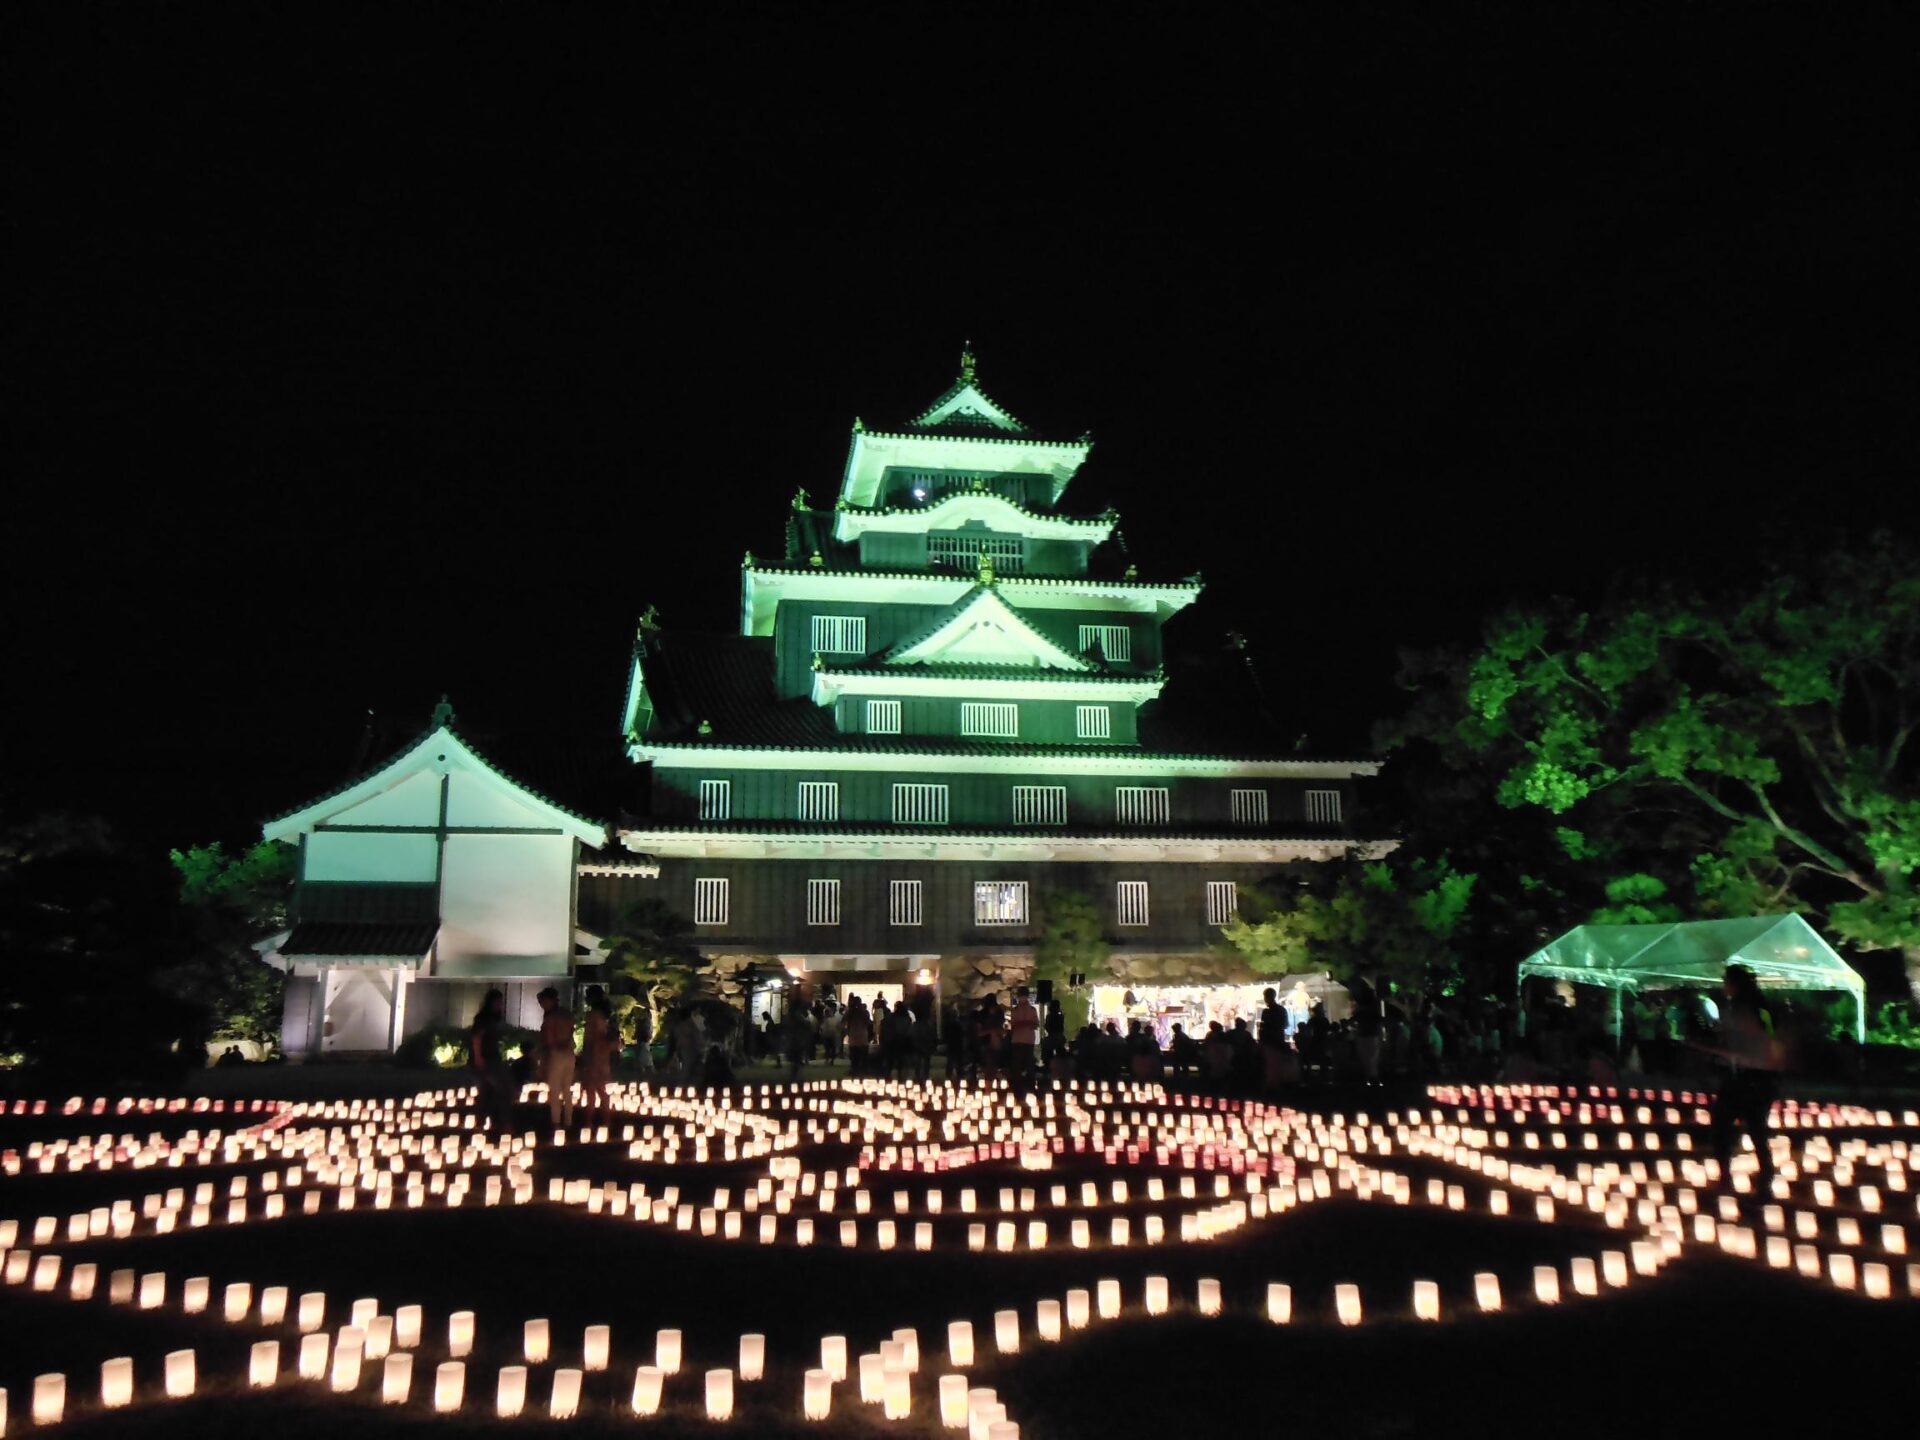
1000 902
1249 807
819 801
903 902
1141 805
823 902
1093 722
995 722
709 902
1223 901
1114 642
1131 902
1323 807
963 552
716 799
839 634
919 804
883 717
1039 804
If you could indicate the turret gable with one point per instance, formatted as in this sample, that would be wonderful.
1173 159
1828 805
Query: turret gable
983 629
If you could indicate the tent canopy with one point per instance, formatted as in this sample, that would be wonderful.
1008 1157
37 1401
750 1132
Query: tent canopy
1783 951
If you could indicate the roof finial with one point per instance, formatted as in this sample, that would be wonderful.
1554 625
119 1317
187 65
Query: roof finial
986 568
966 362
650 618
443 713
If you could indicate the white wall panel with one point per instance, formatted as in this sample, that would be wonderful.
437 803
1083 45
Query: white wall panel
414 801
332 855
506 905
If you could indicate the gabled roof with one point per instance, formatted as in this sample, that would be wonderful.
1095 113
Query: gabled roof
965 405
442 751
982 628
331 940
958 508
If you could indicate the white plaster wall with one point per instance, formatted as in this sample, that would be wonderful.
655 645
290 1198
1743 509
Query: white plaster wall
506 906
332 855
478 800
414 801
359 1009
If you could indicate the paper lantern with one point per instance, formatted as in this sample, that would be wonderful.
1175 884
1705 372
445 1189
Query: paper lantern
1806 1260
396 1378
313 1310
981 1402
1006 1331
872 1379
1107 1298
348 1351
897 1398
648 1381
1279 1303
46 1274
510 1398
976 1238
1119 1232
1047 1319
803 1232
816 1402
449 1385
311 1363
960 1342
1208 1297
666 1352
1079 1309
263 1364
1082 1235
909 1342
180 1374
1646 1258
1346 1303
237 1301
116 1382
85 1274
460 1336
1842 1270
361 1313
406 1327
1426 1300
1156 1294
1003 1430
753 1356
153 1290
536 1340
1546 1284
120 1283
563 1400
49 1399
1613 1267
833 1356
953 1402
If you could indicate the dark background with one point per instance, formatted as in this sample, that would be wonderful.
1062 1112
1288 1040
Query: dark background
363 354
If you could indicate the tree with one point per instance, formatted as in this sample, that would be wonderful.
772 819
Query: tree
1394 922
1745 750
1072 942
234 902
653 950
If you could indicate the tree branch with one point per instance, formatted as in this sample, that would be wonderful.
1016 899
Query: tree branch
1807 843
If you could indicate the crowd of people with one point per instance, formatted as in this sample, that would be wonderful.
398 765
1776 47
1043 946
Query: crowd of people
1684 1034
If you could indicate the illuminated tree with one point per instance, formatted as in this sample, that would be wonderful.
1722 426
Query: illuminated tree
1396 923
653 950
1745 751
1072 942
234 901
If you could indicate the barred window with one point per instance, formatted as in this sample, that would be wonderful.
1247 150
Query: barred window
919 804
1223 901
963 552
839 634
1131 902
716 799
823 902
1000 902
1114 642
1141 805
709 902
1039 804
1323 807
1249 807
903 902
819 800
996 722
1093 722
883 717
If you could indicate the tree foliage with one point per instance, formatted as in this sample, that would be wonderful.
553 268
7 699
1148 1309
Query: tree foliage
1072 941
234 901
1397 921
653 949
1712 754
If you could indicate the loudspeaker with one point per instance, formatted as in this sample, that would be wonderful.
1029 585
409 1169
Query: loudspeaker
1044 993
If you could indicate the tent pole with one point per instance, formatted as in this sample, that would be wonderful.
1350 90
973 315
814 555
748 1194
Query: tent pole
1619 1037
1859 1017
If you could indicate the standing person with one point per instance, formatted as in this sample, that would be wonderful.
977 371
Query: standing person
643 1036
859 1035
832 1027
601 1039
1750 1056
497 1090
1023 1033
1273 1040
556 1056
799 1039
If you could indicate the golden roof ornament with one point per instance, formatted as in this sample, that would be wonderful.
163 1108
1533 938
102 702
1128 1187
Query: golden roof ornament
650 619
966 362
746 561
706 727
816 561
986 568
800 498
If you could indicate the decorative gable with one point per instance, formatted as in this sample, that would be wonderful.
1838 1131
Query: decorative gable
982 629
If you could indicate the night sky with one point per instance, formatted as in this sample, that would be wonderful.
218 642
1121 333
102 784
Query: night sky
418 349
